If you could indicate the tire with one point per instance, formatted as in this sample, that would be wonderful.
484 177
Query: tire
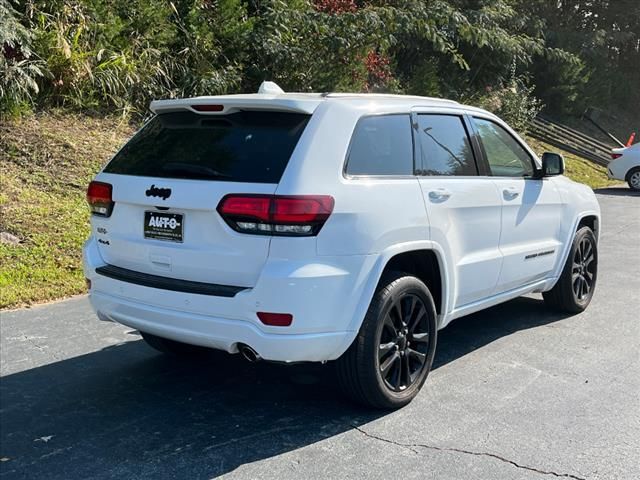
171 347
574 289
633 179
404 350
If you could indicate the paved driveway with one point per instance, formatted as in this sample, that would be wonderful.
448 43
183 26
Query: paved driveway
517 392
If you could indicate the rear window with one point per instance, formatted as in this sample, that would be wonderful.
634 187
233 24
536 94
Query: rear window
252 147
445 147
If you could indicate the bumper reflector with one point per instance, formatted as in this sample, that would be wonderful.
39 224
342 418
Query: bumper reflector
275 319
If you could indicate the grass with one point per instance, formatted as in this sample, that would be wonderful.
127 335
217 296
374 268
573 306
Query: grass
46 162
576 168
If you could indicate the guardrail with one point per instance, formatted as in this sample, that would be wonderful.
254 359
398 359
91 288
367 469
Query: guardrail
570 140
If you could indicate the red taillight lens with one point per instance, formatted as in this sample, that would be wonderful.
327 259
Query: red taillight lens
208 108
246 207
615 155
99 198
301 215
275 319
302 209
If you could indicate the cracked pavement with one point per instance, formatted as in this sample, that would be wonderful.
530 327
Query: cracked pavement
517 392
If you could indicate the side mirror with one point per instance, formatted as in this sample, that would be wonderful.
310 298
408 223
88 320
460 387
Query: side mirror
552 164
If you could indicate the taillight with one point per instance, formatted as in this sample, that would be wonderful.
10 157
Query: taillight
299 215
99 198
208 108
615 155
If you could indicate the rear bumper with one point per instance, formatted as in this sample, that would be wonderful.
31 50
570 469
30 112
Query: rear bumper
324 295
220 333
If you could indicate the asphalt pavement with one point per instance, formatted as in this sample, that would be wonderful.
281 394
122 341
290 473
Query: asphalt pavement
517 392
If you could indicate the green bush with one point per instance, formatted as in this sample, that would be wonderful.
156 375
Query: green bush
117 55
513 101
19 68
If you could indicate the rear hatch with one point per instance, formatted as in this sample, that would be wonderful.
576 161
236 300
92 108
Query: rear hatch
168 180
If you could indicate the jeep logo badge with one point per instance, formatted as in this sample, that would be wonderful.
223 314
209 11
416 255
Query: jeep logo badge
163 193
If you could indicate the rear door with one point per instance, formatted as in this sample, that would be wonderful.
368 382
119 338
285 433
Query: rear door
531 208
169 179
463 207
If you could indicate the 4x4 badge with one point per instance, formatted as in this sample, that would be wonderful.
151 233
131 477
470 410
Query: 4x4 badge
163 193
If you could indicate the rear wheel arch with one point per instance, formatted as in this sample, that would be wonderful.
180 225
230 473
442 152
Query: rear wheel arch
425 264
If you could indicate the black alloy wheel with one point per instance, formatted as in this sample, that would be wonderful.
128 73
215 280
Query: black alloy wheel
574 289
583 270
391 356
403 343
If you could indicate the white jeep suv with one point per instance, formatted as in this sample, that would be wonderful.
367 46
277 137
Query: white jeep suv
319 227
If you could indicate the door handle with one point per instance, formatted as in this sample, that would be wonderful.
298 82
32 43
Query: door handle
510 193
439 194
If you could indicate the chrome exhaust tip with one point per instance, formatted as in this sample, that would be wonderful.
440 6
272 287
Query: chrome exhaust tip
249 354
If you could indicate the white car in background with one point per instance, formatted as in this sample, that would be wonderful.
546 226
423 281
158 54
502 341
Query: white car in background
626 165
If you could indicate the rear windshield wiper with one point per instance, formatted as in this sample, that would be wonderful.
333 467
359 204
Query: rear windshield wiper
193 170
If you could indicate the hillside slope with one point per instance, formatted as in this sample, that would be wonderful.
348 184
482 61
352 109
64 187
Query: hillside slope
46 162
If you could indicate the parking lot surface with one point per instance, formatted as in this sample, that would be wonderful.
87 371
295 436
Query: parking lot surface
517 392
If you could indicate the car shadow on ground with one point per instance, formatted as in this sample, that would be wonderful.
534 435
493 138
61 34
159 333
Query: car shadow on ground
621 191
130 412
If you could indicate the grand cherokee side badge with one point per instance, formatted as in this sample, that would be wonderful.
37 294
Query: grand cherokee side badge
163 193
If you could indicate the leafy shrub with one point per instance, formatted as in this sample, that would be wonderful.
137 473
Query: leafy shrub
19 68
116 55
513 101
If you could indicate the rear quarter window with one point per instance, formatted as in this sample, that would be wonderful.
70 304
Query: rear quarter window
252 147
381 145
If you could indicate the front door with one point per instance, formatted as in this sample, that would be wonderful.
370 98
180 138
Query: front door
531 208
463 207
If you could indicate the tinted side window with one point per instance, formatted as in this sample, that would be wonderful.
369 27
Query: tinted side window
445 147
381 145
241 147
506 157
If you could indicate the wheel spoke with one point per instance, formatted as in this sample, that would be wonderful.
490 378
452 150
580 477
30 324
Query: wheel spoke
585 245
580 288
409 315
579 253
590 258
388 363
406 372
588 250
388 322
421 357
384 350
422 312
588 277
397 373
397 309
420 337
